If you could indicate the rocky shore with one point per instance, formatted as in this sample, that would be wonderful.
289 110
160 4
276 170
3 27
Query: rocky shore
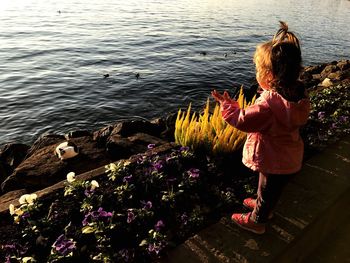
24 168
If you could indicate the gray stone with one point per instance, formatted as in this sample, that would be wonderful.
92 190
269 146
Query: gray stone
326 83
129 128
316 77
101 136
168 133
45 140
119 147
77 134
13 195
336 75
11 155
43 168
3 172
145 139
328 69
314 69
344 64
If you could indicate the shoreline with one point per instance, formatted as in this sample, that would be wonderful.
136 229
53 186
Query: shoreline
25 166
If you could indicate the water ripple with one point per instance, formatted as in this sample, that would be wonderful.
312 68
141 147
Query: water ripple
53 62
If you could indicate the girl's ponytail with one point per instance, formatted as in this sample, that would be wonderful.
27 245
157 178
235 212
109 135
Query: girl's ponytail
286 63
278 64
283 35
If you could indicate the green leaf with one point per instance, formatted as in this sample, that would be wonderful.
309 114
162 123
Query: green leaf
143 243
87 230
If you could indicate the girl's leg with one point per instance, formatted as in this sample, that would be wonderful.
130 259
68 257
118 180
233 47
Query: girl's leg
269 191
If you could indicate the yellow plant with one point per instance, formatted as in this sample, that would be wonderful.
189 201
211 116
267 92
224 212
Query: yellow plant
209 131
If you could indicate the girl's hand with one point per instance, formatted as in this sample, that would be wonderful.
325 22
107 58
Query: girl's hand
221 98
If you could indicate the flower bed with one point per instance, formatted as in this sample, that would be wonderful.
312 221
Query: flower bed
140 209
146 205
329 118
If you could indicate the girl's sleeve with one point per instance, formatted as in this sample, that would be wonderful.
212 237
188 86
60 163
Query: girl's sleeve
254 118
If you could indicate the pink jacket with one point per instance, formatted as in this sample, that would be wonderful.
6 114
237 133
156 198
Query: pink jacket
273 144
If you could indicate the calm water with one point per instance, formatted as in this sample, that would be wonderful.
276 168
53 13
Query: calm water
52 63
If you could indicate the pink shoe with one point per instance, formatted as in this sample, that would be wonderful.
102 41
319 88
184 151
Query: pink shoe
243 221
250 203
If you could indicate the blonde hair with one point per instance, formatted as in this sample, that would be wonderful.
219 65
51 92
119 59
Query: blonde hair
278 62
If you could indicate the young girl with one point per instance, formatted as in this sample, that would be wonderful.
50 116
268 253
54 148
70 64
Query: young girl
273 147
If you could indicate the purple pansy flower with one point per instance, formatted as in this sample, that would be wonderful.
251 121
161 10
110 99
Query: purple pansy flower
343 119
63 245
103 213
141 159
184 149
184 218
126 254
10 247
193 173
98 215
158 166
131 216
25 215
90 189
15 249
321 115
147 205
127 178
151 146
88 192
155 247
159 225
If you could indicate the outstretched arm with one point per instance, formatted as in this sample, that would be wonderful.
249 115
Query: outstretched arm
254 118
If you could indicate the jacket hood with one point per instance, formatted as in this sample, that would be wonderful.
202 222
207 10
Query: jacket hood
290 114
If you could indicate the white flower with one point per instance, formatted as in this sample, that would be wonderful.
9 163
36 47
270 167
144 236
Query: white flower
112 167
94 184
12 209
27 199
28 260
31 198
71 177
23 199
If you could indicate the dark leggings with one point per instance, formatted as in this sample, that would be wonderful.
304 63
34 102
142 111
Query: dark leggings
269 191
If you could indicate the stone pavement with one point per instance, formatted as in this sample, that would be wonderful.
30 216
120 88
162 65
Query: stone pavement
335 248
311 207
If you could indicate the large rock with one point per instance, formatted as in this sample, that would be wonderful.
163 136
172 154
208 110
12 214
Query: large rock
124 129
45 140
3 172
343 64
327 70
144 139
11 155
169 130
44 168
120 147
337 71
101 136
128 128
78 133
13 195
